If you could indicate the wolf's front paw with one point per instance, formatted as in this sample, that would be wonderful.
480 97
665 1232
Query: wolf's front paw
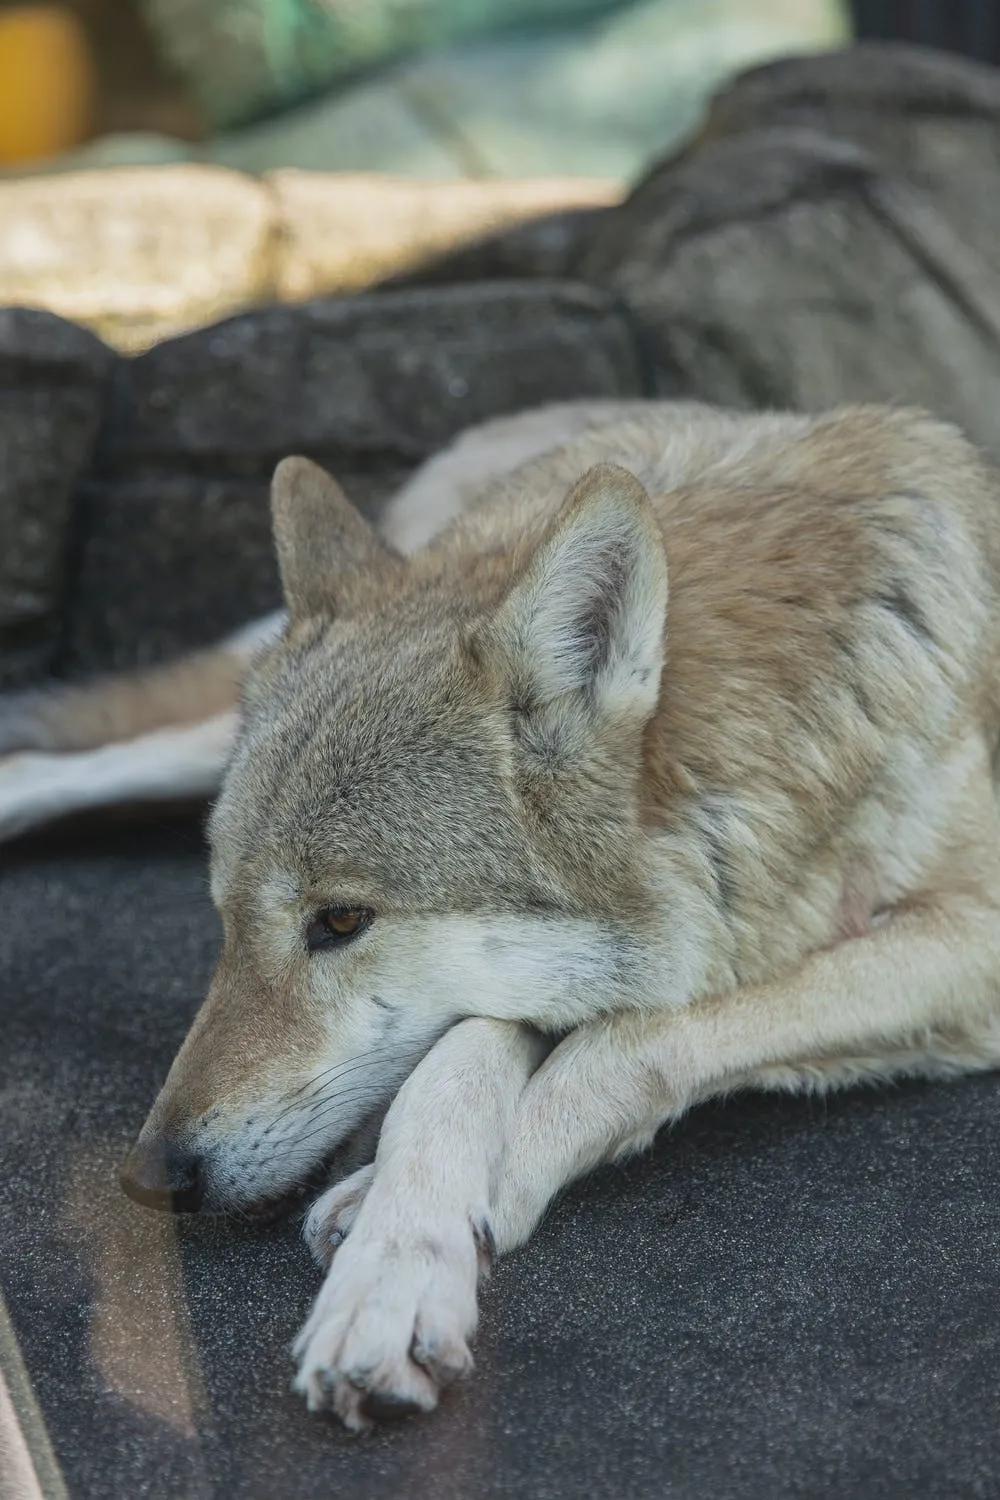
392 1324
332 1216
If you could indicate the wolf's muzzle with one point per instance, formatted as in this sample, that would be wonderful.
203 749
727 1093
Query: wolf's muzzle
160 1175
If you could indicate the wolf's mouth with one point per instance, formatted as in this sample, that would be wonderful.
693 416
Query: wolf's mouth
282 1205
338 1162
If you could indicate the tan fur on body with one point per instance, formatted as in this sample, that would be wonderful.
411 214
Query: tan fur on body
678 747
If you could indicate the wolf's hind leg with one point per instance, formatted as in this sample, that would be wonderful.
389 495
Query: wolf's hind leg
934 1054
155 736
166 765
62 717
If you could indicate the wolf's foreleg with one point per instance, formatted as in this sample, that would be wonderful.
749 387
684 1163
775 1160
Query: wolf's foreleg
393 1320
921 994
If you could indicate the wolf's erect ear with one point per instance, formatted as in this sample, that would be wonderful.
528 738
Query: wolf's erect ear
325 546
589 614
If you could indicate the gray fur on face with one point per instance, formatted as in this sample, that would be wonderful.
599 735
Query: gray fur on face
362 766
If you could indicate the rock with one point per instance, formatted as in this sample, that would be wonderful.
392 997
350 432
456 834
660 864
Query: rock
367 386
394 373
549 246
169 562
926 116
53 382
782 268
919 111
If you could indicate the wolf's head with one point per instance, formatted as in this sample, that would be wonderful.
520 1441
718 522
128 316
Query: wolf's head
432 811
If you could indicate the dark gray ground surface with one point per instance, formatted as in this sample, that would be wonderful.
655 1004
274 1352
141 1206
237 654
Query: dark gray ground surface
786 1298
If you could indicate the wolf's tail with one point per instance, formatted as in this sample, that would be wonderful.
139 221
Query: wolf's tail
126 705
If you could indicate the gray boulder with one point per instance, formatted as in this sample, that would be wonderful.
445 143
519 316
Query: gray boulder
53 386
177 542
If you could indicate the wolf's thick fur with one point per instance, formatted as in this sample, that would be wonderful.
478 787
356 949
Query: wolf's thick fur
667 767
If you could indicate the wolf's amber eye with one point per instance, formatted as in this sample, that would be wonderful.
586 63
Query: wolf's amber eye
336 925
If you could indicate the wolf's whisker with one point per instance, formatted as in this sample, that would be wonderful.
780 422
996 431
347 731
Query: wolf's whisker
359 1057
341 1070
349 1096
320 1096
374 1096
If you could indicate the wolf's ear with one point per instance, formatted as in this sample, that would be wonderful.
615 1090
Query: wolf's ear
325 546
589 614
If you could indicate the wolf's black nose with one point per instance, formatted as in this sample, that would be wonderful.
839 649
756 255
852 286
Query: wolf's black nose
163 1176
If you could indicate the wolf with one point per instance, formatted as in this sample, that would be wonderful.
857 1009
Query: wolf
646 752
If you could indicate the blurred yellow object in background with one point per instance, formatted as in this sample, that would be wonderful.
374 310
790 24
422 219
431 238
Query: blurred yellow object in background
46 82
